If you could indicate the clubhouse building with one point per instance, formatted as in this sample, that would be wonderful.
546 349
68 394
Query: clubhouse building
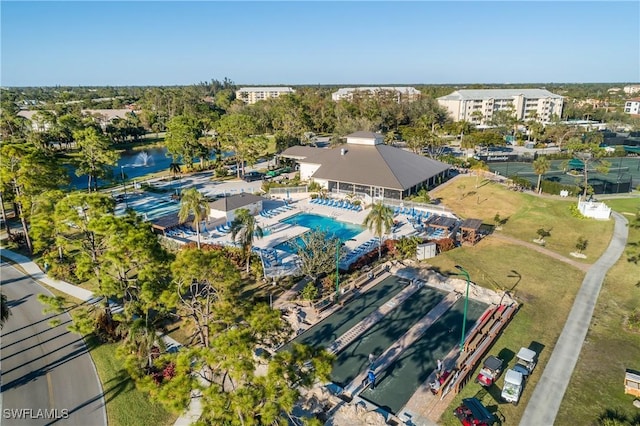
366 166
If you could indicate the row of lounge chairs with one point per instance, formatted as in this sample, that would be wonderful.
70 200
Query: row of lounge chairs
359 251
224 229
274 212
180 231
269 256
340 204
411 212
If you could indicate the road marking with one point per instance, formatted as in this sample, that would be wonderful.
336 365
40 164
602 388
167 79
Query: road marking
50 388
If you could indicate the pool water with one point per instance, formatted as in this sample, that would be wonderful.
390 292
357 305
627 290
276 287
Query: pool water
334 228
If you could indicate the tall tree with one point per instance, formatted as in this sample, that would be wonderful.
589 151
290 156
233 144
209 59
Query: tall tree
4 309
95 158
193 203
541 166
590 153
182 139
244 229
81 218
238 132
27 172
379 221
317 252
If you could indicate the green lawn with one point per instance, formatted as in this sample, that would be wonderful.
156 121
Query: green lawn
525 214
126 406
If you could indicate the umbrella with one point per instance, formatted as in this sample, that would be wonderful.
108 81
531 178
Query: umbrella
204 226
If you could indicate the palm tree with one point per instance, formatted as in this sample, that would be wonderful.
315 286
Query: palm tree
478 167
244 227
379 221
175 168
540 167
193 203
4 309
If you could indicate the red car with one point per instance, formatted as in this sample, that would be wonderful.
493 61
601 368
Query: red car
472 413
491 369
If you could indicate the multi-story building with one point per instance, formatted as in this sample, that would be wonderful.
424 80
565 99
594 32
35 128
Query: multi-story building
630 90
402 94
478 106
251 95
632 106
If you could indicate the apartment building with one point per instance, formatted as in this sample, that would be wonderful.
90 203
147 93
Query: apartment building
402 94
632 106
632 89
478 106
251 95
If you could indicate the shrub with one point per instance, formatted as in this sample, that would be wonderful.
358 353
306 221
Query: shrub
551 187
575 212
633 322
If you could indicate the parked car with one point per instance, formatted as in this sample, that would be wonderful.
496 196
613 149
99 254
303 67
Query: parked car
490 371
253 176
526 361
472 412
513 383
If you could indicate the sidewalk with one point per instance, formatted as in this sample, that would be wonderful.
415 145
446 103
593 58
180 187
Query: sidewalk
36 273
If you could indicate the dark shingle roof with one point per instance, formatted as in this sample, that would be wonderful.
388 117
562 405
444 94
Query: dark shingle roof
474 224
363 134
378 165
233 202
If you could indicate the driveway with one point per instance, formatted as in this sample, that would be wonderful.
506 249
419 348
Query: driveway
48 376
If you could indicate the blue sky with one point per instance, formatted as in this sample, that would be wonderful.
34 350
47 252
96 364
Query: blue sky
165 43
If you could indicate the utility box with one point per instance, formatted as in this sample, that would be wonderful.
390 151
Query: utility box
426 251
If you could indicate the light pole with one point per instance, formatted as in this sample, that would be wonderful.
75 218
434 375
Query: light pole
124 186
466 303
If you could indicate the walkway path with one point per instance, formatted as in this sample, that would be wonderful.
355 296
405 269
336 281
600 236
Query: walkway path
548 394
372 319
394 351
36 273
582 266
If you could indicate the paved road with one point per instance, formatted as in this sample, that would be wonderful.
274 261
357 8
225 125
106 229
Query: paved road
44 367
547 396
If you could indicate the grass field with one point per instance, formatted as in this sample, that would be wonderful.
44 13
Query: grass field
126 405
525 214
597 382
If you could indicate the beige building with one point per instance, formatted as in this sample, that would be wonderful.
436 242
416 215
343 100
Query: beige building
478 106
632 89
251 95
406 94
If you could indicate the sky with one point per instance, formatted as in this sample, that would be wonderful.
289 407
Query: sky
81 43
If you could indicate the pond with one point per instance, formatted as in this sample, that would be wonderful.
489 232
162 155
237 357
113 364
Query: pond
133 164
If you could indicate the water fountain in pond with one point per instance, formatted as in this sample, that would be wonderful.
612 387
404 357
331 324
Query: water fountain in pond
143 159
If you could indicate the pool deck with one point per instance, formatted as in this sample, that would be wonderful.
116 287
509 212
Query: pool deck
394 351
280 232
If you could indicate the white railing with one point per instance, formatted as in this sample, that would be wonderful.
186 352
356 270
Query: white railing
288 189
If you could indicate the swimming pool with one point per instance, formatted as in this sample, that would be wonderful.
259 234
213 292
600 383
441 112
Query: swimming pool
316 222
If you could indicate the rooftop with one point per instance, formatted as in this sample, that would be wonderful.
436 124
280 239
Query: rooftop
462 95
374 165
236 201
266 89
